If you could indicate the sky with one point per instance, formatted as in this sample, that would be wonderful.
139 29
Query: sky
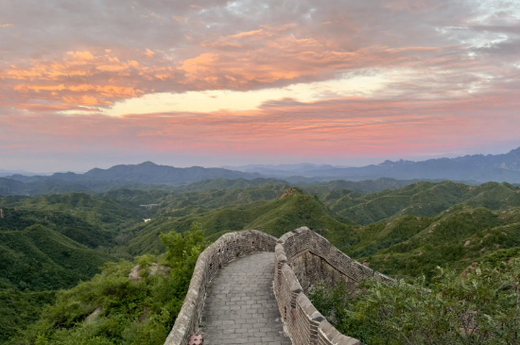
96 83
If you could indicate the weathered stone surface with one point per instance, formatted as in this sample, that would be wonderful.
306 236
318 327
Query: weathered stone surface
240 306
227 248
231 289
94 315
304 258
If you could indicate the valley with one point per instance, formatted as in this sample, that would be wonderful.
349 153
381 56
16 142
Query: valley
55 241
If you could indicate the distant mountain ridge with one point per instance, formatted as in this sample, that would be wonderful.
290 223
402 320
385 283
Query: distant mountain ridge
58 186
477 168
284 170
4 172
469 169
146 172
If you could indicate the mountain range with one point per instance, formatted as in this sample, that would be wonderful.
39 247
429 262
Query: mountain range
146 172
476 168
473 169
4 173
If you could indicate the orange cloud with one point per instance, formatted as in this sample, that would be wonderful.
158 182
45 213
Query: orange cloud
279 56
202 63
265 57
149 53
179 19
5 25
255 33
85 55
79 78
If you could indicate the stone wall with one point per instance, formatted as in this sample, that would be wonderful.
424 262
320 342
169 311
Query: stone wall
227 248
302 259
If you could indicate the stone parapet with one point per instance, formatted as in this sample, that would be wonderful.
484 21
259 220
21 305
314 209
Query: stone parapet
227 248
302 258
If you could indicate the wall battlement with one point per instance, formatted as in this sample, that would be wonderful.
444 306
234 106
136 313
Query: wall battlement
302 258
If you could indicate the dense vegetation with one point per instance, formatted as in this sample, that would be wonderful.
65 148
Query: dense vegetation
61 184
409 246
21 308
420 199
482 306
118 307
291 210
40 259
50 243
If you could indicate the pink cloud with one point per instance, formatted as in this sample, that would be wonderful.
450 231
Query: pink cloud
455 67
339 129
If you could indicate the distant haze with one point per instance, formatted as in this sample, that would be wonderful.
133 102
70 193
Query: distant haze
45 164
472 169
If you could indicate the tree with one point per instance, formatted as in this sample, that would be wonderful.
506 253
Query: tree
113 309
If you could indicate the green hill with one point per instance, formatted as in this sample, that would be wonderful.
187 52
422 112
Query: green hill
228 184
88 206
39 259
114 308
74 227
86 219
410 246
216 198
52 242
11 187
292 210
21 308
368 186
44 246
420 199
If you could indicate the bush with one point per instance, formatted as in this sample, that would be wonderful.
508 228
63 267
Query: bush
481 306
114 309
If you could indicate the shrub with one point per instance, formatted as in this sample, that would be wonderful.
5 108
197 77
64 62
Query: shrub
115 309
481 306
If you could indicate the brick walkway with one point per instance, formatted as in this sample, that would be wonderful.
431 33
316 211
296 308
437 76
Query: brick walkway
240 306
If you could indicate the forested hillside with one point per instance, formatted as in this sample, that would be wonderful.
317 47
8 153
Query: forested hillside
53 242
60 184
420 199
290 210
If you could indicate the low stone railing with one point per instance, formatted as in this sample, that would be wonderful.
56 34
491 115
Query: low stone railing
227 248
302 258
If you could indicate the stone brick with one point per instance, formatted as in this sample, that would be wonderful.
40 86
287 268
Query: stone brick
231 298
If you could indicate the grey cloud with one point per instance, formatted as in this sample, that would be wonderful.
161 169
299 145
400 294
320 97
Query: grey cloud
43 27
47 29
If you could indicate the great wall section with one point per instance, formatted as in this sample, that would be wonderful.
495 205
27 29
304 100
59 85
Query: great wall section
249 287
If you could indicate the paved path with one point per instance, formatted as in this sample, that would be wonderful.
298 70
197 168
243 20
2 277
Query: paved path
240 306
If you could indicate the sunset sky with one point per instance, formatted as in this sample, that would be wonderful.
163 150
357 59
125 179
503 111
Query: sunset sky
95 83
